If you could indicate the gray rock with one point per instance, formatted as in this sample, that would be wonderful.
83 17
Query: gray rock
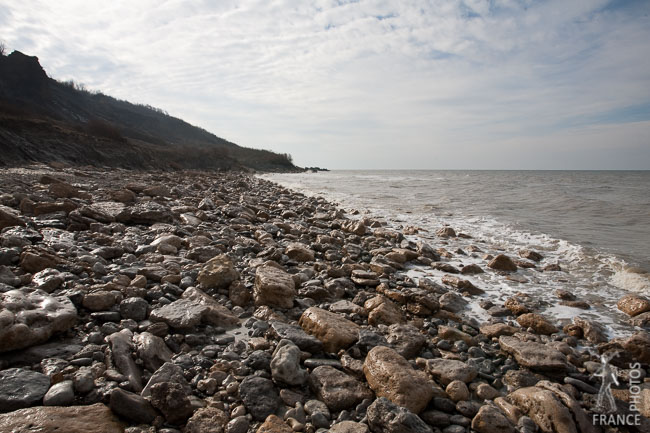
134 308
152 350
132 406
534 355
259 396
194 308
145 213
405 339
169 372
387 417
121 348
21 388
298 336
29 317
285 365
237 425
83 380
447 370
60 394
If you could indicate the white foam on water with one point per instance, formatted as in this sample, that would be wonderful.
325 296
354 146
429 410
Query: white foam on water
632 281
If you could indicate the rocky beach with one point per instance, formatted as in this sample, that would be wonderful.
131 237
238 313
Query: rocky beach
197 301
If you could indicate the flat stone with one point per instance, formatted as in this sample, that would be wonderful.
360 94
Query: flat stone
298 336
96 418
334 331
498 329
21 388
534 355
390 375
273 287
538 323
29 317
447 370
336 389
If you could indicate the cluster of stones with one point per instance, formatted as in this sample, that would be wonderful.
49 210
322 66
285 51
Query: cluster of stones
219 302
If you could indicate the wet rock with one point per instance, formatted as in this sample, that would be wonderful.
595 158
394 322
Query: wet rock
489 419
101 300
29 317
259 396
21 388
457 391
273 287
462 285
193 308
334 331
172 401
406 340
545 409
218 272
531 255
498 329
356 227
633 305
285 365
121 348
9 218
131 406
452 302
446 232
207 420
96 418
349 427
594 332
502 263
446 371
472 269
453 334
338 390
299 252
386 417
516 307
152 350
534 355
60 394
382 310
390 375
147 213
169 372
538 323
134 308
273 424
298 336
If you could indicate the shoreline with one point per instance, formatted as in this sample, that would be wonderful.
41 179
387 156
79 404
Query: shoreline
246 300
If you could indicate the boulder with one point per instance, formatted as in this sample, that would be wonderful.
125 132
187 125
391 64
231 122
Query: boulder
633 304
29 317
285 364
390 375
545 408
299 252
96 418
538 323
172 401
298 336
334 331
169 372
336 389
502 263
382 310
385 416
152 350
447 370
534 355
273 287
193 308
407 340
218 272
146 213
9 218
489 419
131 406
21 388
207 420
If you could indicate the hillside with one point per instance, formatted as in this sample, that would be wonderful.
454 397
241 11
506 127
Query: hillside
44 120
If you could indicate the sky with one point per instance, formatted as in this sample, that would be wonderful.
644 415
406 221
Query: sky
370 84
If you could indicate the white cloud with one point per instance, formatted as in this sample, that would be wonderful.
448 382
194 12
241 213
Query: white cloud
361 84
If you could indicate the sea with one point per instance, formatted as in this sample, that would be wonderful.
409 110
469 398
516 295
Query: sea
594 224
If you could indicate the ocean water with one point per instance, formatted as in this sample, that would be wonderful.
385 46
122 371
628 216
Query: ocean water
595 224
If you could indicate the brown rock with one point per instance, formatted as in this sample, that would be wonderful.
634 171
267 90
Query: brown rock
533 355
450 333
356 227
633 305
545 409
498 329
446 232
462 285
9 218
638 347
594 332
502 263
334 331
531 255
516 306
349 427
37 261
390 375
218 272
382 310
122 196
52 419
273 424
299 252
273 287
538 323
336 389
489 419
446 371
207 420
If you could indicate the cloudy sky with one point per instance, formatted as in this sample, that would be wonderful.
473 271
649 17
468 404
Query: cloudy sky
471 84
